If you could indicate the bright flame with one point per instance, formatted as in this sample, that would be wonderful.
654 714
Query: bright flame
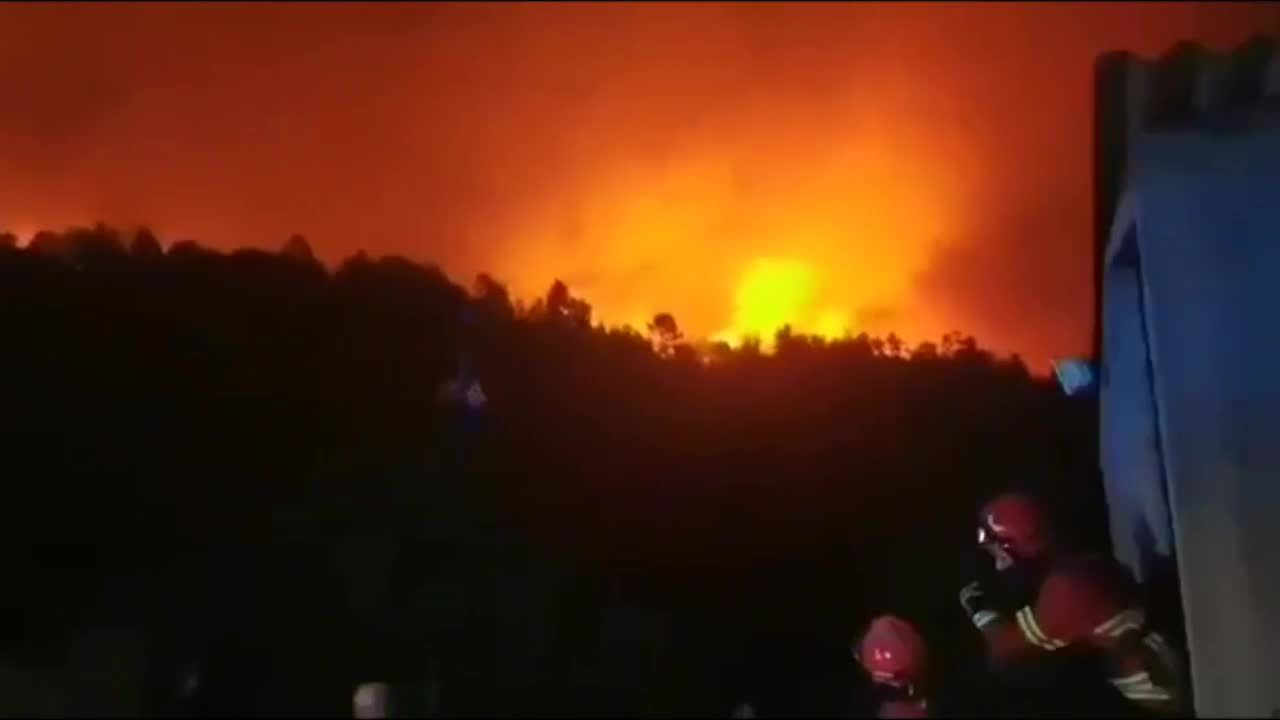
779 292
832 324
696 232
773 293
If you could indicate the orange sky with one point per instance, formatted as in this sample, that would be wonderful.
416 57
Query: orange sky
900 166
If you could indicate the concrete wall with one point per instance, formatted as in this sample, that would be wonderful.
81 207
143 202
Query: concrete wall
1207 236
1133 476
1186 170
1133 96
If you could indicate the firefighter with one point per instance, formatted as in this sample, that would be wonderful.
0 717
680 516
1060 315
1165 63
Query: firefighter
1062 600
894 655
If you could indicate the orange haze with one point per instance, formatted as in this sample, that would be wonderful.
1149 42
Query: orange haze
864 167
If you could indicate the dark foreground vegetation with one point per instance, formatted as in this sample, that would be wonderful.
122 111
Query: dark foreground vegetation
245 456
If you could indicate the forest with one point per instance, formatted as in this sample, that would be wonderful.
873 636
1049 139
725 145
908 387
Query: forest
253 458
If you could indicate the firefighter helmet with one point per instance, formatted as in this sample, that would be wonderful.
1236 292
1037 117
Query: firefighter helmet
1013 527
892 652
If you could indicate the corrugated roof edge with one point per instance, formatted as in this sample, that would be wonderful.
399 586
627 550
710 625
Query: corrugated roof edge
1187 87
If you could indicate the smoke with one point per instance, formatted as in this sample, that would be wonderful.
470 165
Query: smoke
930 163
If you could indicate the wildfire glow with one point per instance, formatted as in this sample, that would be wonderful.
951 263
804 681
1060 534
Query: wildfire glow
747 238
775 293
913 168
831 324
23 232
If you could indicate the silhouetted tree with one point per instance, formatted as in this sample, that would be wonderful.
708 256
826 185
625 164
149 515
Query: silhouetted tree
665 334
893 345
784 336
79 246
925 351
298 248
951 342
558 298
47 242
493 297
145 245
189 249
562 305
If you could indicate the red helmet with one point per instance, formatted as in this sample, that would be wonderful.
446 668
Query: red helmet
892 652
1013 527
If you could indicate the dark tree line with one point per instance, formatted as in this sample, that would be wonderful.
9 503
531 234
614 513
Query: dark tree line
248 454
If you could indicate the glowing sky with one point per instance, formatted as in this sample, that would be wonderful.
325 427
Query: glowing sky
901 166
